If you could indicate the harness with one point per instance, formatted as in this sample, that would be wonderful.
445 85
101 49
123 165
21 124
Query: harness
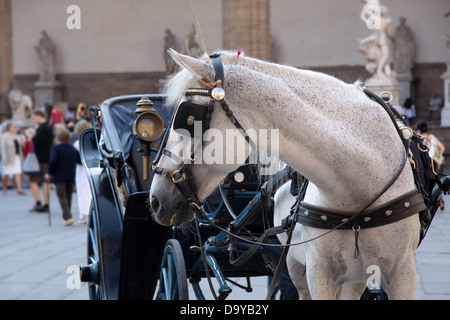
301 212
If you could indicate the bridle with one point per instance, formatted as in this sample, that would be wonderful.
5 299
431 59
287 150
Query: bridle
182 177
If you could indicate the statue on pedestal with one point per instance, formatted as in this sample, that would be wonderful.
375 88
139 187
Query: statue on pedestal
46 53
445 111
170 41
447 39
21 105
191 47
376 50
375 47
403 50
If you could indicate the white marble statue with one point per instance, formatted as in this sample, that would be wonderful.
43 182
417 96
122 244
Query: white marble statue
170 42
375 46
447 39
46 53
191 47
21 105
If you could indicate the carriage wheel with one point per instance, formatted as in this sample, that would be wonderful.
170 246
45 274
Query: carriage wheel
173 283
103 253
90 272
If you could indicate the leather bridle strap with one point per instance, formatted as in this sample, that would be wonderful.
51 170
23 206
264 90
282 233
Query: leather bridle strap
181 176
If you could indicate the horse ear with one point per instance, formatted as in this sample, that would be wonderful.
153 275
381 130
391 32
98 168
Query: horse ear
199 68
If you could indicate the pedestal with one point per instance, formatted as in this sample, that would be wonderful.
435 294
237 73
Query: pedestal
47 92
379 85
445 112
405 92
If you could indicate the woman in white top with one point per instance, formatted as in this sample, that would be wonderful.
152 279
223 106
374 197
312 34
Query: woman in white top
436 149
11 147
84 195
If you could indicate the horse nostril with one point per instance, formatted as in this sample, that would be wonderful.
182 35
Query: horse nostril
154 203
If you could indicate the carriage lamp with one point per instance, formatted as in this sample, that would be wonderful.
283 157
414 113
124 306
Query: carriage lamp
147 127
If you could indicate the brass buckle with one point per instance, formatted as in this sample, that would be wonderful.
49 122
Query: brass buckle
428 148
183 175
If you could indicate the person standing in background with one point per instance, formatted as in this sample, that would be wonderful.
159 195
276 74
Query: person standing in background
56 116
61 171
435 105
11 145
436 148
82 113
409 110
42 141
84 195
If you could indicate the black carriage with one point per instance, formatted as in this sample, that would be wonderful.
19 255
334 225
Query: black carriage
130 256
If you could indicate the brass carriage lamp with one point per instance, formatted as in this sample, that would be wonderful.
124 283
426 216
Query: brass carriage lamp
147 128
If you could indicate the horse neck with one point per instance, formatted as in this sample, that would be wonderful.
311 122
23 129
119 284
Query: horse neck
328 131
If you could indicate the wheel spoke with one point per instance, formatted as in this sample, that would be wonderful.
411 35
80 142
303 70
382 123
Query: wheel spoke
173 279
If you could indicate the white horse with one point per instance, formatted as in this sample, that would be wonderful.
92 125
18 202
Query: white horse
344 143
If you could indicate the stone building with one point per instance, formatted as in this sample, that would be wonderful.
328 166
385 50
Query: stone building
119 46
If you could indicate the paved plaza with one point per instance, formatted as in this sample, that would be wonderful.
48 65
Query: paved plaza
35 256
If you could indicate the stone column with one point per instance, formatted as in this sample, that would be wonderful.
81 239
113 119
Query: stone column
6 58
246 26
445 112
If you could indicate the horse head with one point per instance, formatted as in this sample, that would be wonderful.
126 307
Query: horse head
193 163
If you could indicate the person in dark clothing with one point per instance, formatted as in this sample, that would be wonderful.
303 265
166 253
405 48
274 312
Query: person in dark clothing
42 141
61 171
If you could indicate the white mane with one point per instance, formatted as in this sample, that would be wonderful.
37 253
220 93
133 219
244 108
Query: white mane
176 86
178 83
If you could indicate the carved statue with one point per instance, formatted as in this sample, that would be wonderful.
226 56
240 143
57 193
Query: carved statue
403 49
46 53
170 41
191 47
447 39
21 105
375 47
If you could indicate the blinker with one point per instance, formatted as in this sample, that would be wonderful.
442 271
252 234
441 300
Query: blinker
187 114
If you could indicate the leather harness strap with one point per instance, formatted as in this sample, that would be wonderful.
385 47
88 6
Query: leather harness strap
392 211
